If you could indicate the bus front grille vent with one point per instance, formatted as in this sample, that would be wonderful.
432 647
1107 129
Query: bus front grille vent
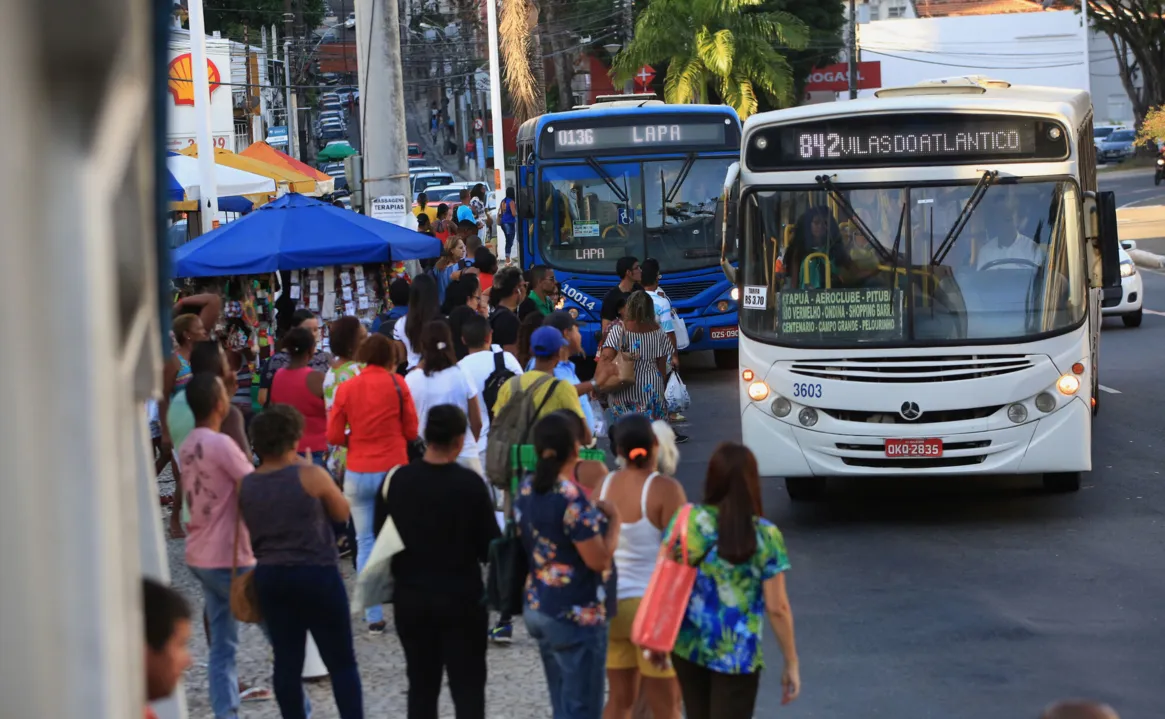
932 417
912 369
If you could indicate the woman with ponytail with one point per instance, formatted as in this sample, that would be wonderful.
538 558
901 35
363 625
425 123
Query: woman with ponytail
646 500
570 544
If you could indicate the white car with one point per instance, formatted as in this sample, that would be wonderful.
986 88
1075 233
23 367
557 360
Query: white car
1132 287
350 21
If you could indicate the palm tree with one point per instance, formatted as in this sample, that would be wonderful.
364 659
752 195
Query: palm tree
730 45
519 41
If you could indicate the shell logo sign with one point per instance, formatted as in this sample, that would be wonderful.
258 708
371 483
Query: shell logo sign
181 82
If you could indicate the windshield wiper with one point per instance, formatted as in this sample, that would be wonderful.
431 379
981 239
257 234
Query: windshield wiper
620 193
670 194
840 199
964 216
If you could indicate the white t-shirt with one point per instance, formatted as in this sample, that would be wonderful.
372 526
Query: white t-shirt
478 367
1023 248
449 386
398 334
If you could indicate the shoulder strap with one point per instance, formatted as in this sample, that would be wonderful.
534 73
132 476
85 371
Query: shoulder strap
238 526
546 398
606 481
646 487
387 479
499 361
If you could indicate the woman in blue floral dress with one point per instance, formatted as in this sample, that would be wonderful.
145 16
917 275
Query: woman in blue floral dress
741 563
570 545
639 334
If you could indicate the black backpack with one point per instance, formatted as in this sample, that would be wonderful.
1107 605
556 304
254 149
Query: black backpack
496 379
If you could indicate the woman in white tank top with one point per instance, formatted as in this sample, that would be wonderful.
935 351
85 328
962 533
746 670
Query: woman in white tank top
646 501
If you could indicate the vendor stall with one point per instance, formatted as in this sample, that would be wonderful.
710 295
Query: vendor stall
286 179
325 183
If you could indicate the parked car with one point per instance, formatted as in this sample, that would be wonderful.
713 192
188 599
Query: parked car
1117 147
1132 290
350 21
415 151
331 134
424 180
416 163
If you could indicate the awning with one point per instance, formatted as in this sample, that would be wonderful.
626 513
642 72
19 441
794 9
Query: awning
263 152
228 180
286 178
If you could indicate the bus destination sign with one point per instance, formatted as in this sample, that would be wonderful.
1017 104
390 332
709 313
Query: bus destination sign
663 134
907 140
855 314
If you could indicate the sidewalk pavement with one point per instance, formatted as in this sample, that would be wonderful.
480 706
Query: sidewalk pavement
1145 226
418 121
515 689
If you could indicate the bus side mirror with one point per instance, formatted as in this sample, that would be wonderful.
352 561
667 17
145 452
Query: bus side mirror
1108 245
728 222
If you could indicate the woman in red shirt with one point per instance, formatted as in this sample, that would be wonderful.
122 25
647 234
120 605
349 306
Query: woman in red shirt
302 387
375 418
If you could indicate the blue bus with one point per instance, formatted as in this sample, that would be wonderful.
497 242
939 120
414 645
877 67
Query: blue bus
632 177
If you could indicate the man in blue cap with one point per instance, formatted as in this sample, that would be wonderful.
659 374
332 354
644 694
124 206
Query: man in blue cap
549 347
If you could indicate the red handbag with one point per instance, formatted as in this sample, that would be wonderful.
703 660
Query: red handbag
662 609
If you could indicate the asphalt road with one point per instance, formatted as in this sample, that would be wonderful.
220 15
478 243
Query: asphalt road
1134 188
968 599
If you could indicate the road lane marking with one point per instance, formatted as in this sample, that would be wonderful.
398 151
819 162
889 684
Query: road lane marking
1153 312
1110 390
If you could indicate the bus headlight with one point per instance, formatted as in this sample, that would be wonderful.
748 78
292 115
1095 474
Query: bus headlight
1017 413
758 390
722 305
1045 402
1068 384
807 416
782 407
734 293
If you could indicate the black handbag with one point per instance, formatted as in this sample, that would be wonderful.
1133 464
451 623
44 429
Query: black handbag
415 447
505 587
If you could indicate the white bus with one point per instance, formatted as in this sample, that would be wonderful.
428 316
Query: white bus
921 276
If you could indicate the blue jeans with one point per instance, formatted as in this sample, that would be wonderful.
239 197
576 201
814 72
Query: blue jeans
360 488
574 658
298 599
222 671
510 230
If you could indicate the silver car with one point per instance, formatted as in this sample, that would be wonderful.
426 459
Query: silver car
1117 147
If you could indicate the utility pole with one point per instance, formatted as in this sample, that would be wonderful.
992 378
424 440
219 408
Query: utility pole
1087 40
292 133
852 69
495 103
384 145
207 182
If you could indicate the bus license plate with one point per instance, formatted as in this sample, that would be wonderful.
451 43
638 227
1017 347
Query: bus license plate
914 448
723 333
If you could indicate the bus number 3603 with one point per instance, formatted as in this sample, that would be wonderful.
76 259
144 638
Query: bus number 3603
807 390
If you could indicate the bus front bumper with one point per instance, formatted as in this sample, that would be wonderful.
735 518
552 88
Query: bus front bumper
1058 442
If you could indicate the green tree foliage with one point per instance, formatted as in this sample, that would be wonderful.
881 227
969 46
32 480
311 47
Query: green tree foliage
230 16
826 23
1137 31
729 47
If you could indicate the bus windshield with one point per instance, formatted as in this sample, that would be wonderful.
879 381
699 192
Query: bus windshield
927 264
591 215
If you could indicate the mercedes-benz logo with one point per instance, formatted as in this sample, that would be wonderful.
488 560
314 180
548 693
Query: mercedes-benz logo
910 411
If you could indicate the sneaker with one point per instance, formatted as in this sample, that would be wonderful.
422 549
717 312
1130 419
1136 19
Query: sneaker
376 628
502 634
677 417
681 438
255 694
343 547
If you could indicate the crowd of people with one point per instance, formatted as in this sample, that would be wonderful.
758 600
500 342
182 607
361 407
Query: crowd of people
394 423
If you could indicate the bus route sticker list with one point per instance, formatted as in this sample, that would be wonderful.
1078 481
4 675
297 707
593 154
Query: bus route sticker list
862 313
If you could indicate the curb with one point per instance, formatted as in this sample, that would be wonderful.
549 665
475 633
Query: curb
1142 258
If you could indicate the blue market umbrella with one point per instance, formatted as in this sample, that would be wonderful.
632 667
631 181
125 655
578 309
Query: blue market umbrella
296 232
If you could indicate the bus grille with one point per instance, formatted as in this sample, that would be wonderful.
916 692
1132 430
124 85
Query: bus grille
912 369
930 463
935 417
686 290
